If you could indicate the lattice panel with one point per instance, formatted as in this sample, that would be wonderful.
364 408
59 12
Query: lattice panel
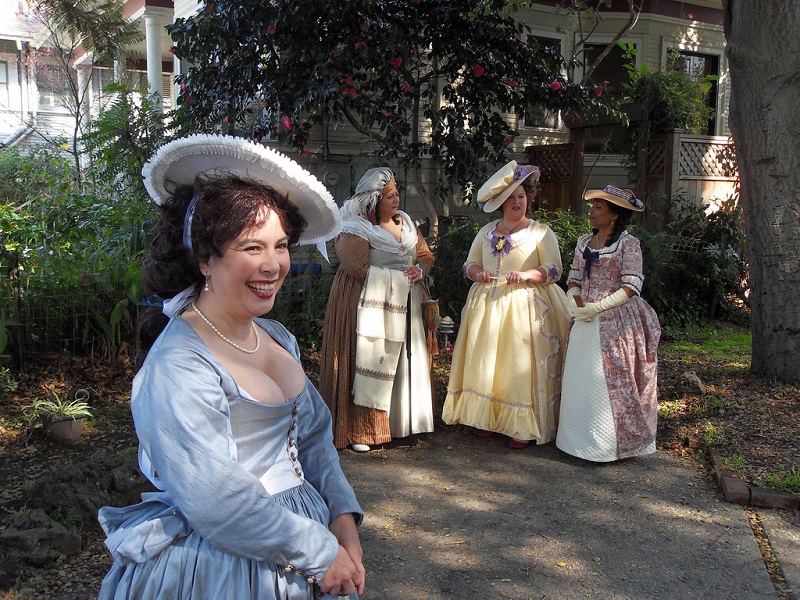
656 160
554 161
702 159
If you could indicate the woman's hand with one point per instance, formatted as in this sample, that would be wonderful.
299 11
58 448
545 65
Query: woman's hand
343 577
536 275
414 274
344 528
476 273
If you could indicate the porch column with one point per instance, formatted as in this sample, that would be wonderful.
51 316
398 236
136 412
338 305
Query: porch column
154 25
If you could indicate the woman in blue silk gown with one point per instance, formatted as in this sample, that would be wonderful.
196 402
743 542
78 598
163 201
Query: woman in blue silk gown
251 501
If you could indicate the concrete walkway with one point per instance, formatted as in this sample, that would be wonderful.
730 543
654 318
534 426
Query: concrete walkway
458 517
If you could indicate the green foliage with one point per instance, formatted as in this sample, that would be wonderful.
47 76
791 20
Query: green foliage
735 463
303 298
447 282
568 227
56 408
63 254
789 482
712 344
709 433
123 138
30 174
697 265
671 99
399 72
99 27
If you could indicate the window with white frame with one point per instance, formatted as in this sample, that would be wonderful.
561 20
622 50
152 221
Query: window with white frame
54 86
610 72
696 66
4 96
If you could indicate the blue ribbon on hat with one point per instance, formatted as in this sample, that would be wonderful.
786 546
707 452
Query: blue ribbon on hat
589 257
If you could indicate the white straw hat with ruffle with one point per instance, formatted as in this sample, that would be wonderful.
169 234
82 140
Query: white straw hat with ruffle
180 162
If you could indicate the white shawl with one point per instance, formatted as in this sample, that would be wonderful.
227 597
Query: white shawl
381 331
379 238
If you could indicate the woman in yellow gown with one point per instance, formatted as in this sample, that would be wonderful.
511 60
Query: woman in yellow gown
505 376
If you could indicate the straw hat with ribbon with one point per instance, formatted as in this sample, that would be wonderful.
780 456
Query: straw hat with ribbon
180 162
503 183
621 197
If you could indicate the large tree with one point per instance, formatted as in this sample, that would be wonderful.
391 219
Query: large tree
763 50
419 79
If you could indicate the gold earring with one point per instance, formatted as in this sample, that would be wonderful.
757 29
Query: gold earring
205 289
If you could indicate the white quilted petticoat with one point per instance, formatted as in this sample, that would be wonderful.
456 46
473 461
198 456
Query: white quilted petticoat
586 424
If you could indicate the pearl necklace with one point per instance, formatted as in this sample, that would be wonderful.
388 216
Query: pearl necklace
232 343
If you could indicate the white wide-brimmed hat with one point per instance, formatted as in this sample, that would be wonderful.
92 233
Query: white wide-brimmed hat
503 183
621 197
182 160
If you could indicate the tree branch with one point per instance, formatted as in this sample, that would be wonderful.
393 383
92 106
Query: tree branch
351 118
633 17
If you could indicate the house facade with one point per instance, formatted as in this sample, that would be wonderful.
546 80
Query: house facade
691 31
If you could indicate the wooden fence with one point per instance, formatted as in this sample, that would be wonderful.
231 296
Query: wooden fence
703 167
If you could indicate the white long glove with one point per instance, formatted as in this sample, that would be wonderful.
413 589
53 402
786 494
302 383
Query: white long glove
572 292
591 309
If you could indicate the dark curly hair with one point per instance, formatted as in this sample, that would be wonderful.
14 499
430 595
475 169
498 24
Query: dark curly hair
225 207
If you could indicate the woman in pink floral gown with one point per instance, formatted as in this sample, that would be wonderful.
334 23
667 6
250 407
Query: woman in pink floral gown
609 404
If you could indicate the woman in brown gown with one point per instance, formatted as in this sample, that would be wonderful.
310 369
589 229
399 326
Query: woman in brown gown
375 388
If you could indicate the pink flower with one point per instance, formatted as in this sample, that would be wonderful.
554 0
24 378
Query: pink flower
510 82
389 114
555 86
361 46
598 91
396 61
271 30
406 88
190 100
506 141
478 70
304 153
349 91
287 123
224 119
183 88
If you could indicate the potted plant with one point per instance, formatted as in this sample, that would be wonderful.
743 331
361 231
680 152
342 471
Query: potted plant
62 419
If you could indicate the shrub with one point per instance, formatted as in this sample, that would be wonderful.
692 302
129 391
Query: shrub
695 266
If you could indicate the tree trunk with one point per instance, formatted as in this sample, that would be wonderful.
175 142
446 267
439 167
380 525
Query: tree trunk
763 50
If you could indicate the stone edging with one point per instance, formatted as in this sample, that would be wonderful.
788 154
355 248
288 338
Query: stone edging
738 491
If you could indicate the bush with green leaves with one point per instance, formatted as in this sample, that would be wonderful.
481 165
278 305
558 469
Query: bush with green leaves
697 264
447 282
63 255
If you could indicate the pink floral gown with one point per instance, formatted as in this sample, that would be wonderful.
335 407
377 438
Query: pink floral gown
609 404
